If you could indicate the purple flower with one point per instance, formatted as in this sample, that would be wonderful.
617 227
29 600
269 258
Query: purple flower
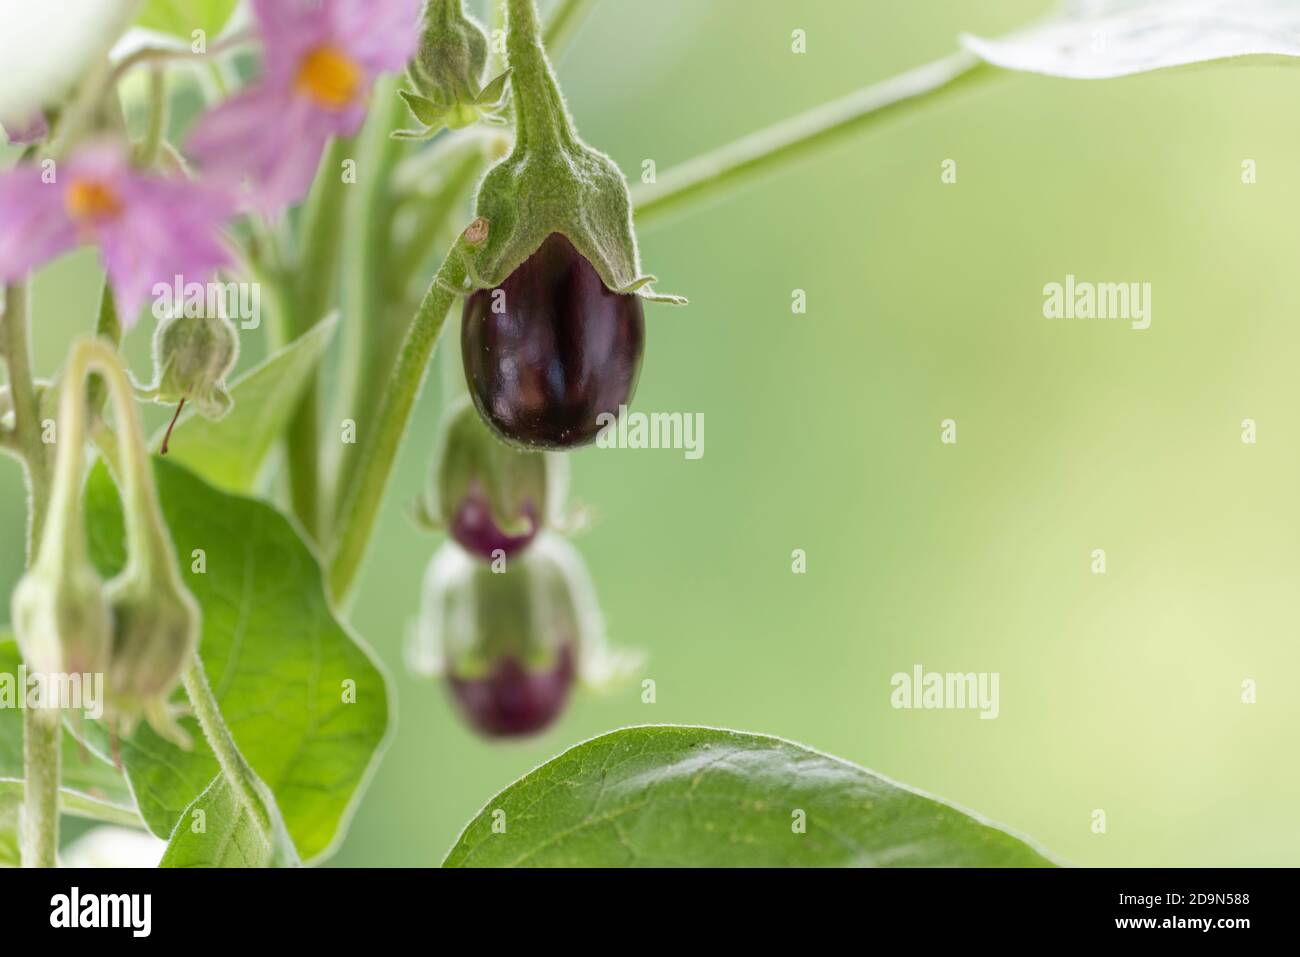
320 59
149 229
30 129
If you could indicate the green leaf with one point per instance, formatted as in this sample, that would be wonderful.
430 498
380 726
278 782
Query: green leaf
218 830
673 796
92 787
1108 38
229 452
280 663
181 18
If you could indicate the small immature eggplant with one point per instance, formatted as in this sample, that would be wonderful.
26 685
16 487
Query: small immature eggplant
551 349
492 498
511 642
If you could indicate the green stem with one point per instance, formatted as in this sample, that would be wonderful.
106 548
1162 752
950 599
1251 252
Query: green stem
540 114
146 152
709 176
321 228
369 343
233 764
41 737
42 753
379 450
562 24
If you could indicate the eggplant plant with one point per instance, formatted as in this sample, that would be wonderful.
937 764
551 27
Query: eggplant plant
369 167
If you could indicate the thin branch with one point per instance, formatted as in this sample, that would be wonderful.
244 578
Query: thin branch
709 176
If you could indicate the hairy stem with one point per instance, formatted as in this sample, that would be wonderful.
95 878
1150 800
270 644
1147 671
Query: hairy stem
379 450
713 174
233 763
41 737
42 751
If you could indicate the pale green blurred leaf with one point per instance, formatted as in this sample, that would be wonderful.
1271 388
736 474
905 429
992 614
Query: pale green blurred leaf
1096 39
229 451
276 656
672 796
181 18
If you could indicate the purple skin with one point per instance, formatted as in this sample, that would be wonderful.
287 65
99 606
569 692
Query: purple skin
563 350
475 530
512 702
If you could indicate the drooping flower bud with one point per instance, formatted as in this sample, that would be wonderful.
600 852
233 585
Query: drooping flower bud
155 634
192 357
559 275
493 499
61 617
510 643
447 73
60 614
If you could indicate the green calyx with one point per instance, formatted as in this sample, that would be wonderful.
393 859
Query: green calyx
447 73
472 617
521 488
192 357
553 182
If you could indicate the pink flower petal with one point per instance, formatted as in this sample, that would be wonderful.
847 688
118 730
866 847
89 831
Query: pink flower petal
381 35
34 226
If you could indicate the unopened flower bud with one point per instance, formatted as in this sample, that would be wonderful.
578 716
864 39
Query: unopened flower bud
447 72
155 634
192 357
61 618
492 498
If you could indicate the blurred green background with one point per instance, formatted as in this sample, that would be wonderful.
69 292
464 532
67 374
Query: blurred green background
1119 692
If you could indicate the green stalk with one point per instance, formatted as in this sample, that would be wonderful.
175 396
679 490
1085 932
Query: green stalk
320 231
41 739
369 330
365 492
713 174
233 764
563 23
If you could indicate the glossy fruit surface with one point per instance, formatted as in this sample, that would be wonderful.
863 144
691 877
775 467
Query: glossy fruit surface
551 349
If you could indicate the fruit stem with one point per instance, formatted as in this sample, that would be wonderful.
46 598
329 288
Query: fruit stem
708 176
541 118
365 492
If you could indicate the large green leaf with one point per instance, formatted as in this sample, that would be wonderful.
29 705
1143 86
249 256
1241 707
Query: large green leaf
307 705
229 452
229 836
181 18
1096 39
85 775
670 796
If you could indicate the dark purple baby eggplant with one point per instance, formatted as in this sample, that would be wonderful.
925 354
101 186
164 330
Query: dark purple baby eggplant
551 349
477 531
512 700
